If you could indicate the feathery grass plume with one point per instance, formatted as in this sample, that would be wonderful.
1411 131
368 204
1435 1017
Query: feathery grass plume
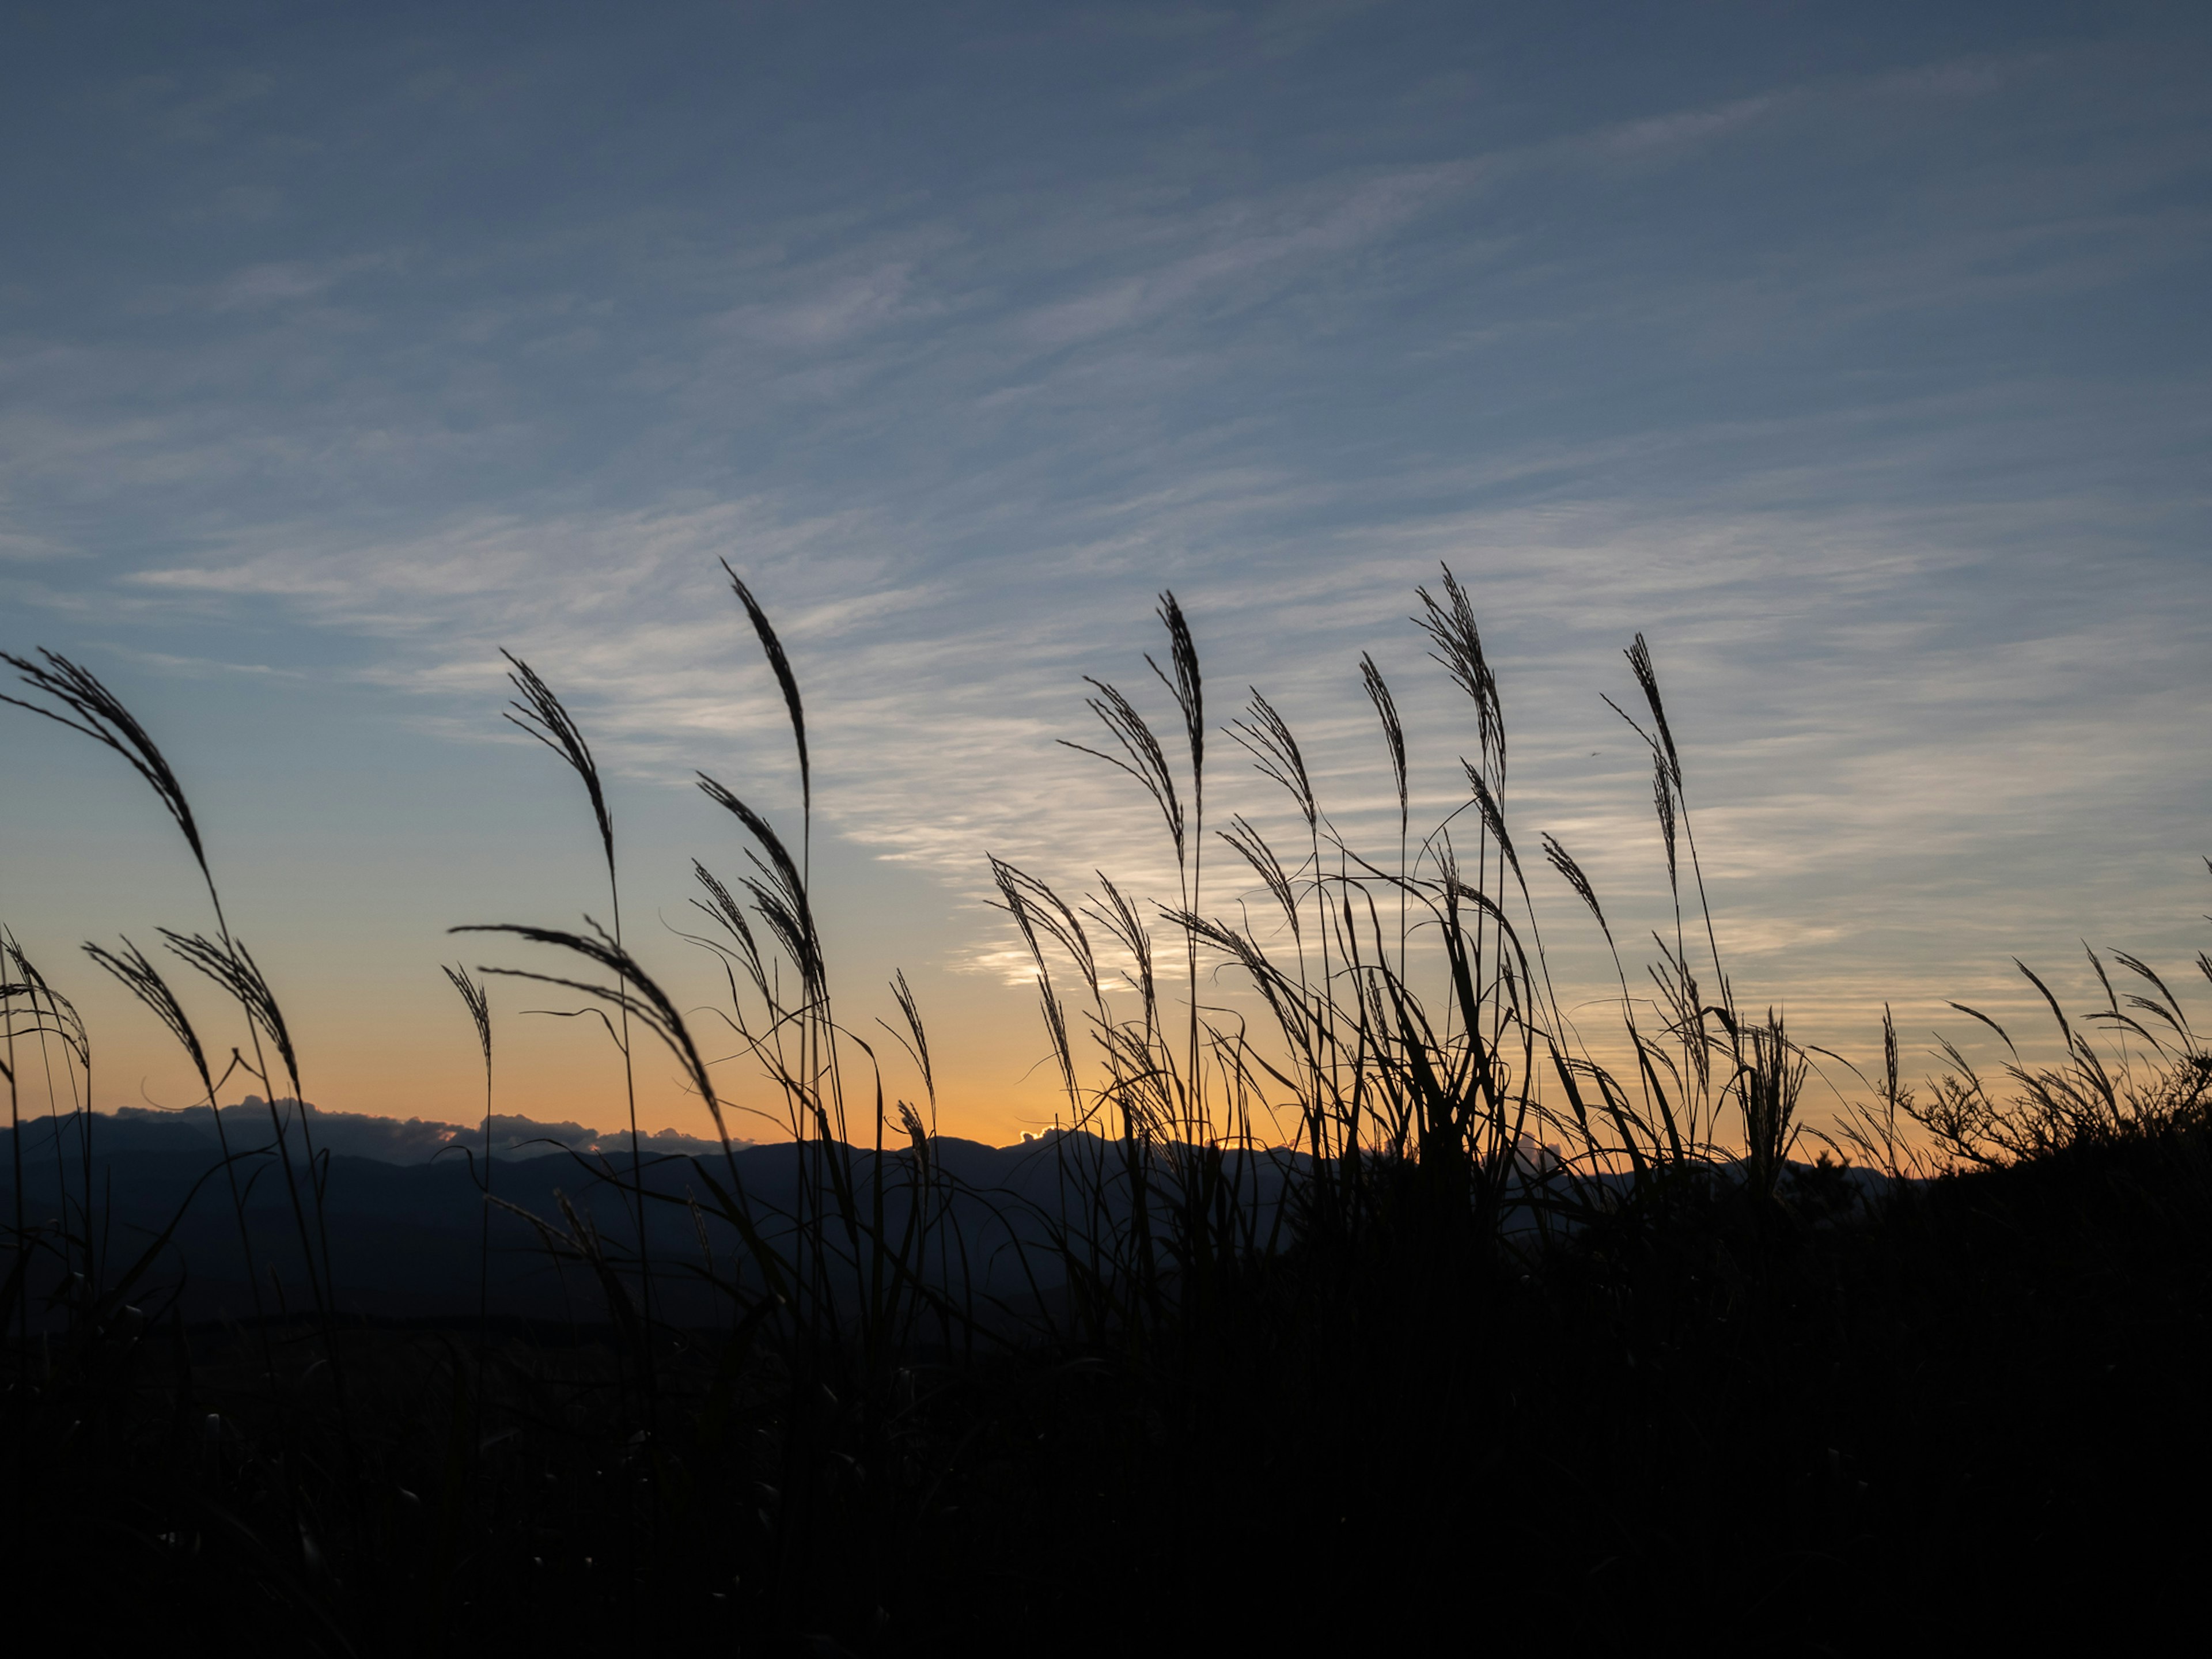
781 899
1663 803
1494 819
1656 1093
1266 737
1889 1067
1255 852
1459 649
1677 985
2087 1066
1186 686
1145 761
1119 916
2116 1018
138 975
102 717
1454 890
1393 740
1035 907
1676 981
1660 741
784 680
1188 690
2065 1029
59 1019
230 965
1393 730
144 981
542 714
1564 862
1647 678
903 994
918 1136
647 1001
722 907
1038 909
1055 1025
472 994
1769 1083
2003 1036
2097 966
1897 1100
2170 1009
1271 981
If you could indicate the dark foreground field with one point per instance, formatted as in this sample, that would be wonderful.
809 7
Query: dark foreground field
1801 1425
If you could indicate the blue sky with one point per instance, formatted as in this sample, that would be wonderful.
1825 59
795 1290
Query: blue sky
1856 355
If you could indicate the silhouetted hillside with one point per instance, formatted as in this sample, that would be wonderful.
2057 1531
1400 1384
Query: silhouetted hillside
405 1234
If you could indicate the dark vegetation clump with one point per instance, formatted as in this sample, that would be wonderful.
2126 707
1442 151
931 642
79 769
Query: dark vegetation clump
1357 1302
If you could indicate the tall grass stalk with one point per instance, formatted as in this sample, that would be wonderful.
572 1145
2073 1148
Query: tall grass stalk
537 711
139 976
479 1007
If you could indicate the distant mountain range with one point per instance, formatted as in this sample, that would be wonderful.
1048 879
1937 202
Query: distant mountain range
387 1139
408 1218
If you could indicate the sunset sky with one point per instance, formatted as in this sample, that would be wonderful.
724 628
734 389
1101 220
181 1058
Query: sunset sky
1856 354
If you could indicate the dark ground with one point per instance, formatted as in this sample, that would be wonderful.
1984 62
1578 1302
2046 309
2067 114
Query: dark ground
1978 1414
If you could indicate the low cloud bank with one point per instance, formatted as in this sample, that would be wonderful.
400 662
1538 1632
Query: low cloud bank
248 1124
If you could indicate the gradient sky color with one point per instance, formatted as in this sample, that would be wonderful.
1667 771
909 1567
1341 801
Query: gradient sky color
1856 355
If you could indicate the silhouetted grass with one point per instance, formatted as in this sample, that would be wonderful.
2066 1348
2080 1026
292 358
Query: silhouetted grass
1373 1307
